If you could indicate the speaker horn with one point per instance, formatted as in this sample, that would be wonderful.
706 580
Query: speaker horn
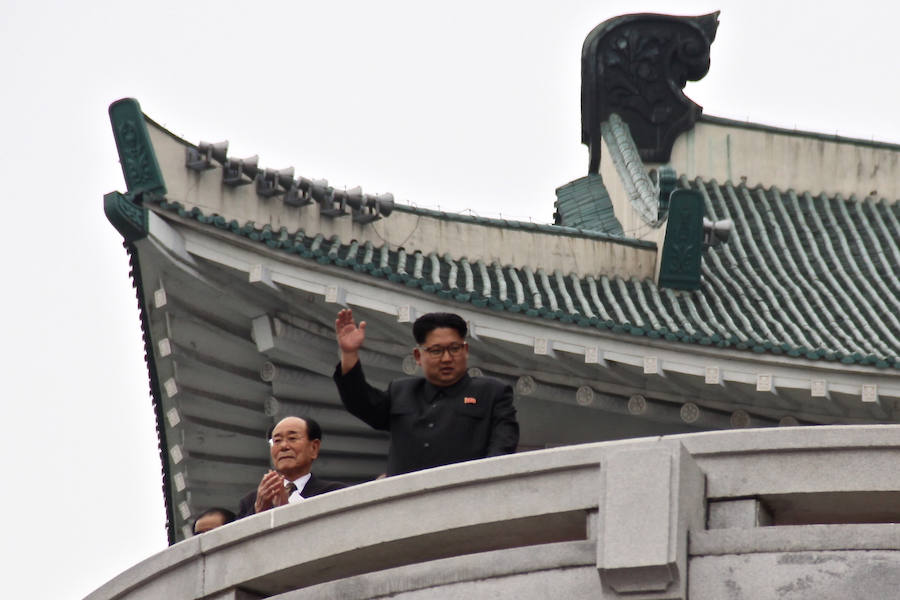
286 178
354 198
240 171
319 190
271 182
384 204
716 232
198 159
217 151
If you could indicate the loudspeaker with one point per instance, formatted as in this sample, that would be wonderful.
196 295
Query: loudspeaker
716 232
240 171
354 198
198 159
286 178
384 204
319 190
217 151
271 182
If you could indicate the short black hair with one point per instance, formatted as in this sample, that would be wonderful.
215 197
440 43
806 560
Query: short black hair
431 321
313 429
227 516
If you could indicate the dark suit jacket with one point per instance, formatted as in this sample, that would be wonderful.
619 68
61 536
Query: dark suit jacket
430 425
314 486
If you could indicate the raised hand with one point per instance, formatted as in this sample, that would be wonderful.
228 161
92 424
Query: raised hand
350 338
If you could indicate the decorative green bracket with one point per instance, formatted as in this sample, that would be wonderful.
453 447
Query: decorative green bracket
128 217
683 247
139 164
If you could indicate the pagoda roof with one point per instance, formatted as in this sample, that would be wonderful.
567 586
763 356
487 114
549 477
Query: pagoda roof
816 278
794 320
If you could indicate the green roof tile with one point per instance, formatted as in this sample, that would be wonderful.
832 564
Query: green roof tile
585 204
804 277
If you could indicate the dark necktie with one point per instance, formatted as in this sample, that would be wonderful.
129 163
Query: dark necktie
291 488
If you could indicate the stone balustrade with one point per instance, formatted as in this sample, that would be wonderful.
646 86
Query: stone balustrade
777 513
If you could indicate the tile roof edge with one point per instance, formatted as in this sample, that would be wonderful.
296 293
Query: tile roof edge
617 326
642 193
797 132
155 392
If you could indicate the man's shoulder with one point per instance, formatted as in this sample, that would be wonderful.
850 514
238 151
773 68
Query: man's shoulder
488 383
406 384
316 486
246 505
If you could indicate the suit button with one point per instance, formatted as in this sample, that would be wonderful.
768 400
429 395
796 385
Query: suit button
431 425
427 444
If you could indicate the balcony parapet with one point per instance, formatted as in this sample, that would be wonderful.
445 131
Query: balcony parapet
635 519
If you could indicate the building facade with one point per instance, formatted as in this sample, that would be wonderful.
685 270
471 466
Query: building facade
703 275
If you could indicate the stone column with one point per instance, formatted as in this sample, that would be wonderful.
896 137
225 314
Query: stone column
650 497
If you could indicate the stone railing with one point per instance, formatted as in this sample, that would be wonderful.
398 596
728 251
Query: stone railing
777 513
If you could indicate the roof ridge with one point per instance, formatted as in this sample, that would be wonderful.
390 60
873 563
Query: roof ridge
641 191
798 132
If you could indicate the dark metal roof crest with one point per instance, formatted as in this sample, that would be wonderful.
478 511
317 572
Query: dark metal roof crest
636 66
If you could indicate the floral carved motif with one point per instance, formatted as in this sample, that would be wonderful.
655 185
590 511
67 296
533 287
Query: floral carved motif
636 66
139 164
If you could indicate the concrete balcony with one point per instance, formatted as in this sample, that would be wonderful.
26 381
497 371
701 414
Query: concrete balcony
797 513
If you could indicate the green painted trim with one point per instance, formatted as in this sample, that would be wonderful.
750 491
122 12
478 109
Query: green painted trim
128 217
136 154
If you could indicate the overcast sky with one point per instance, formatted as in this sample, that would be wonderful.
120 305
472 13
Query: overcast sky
463 106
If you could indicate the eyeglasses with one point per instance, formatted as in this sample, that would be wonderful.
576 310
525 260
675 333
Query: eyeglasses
438 351
291 440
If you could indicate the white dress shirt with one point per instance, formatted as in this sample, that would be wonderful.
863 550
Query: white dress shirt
300 483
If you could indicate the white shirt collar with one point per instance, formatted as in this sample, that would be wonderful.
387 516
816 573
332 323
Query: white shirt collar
300 483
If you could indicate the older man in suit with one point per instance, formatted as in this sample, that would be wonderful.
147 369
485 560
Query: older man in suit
294 445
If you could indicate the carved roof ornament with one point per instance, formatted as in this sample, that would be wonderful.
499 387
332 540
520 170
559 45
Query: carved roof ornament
637 66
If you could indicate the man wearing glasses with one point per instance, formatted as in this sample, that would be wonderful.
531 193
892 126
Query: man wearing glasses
293 445
444 417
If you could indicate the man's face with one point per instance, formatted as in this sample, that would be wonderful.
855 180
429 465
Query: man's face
292 451
208 522
439 365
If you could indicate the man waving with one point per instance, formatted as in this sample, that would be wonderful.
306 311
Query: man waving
444 417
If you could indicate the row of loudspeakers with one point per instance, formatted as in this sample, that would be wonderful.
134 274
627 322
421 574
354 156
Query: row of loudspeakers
297 192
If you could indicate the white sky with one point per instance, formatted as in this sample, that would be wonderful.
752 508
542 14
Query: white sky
464 105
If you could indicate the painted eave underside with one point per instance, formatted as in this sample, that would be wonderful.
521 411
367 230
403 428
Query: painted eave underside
795 322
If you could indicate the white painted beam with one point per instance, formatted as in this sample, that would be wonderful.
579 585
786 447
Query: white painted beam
260 276
653 366
262 334
594 356
173 417
544 347
336 294
765 383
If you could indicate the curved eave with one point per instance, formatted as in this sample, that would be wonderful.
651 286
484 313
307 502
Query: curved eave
240 333
632 308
